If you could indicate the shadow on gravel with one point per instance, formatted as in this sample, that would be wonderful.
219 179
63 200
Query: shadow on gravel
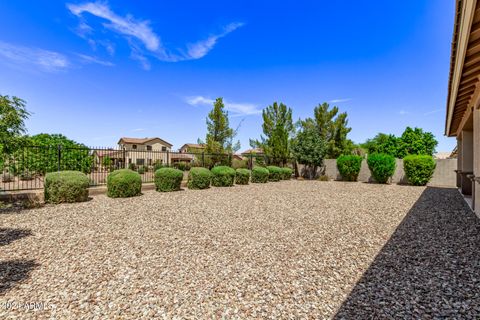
8 235
12 272
429 268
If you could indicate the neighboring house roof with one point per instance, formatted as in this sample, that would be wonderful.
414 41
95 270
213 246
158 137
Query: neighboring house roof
454 154
142 141
108 152
253 151
442 155
193 145
237 156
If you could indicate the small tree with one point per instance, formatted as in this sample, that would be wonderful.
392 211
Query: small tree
219 139
309 149
333 129
278 128
13 114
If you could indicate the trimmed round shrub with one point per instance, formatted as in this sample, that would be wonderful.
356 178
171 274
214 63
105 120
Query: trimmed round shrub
274 173
260 175
168 179
223 176
124 183
349 167
419 169
66 186
382 166
286 173
242 176
199 178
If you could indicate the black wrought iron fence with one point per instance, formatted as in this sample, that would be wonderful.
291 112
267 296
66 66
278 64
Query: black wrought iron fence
25 169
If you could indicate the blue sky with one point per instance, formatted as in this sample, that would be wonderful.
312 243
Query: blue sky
96 71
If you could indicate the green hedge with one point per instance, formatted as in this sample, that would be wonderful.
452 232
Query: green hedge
274 173
223 176
419 169
66 186
349 167
286 173
382 166
124 183
199 178
168 179
242 176
259 175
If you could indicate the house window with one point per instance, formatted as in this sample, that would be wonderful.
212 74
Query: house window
149 148
164 148
134 146
140 162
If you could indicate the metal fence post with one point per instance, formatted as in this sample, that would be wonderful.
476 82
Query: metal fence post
203 159
59 154
168 159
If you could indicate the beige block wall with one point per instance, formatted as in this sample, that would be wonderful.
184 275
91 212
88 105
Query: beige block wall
444 175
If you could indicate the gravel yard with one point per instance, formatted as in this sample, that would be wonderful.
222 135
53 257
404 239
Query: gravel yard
292 249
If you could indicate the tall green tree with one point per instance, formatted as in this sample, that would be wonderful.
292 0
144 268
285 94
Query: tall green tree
333 129
13 113
309 149
219 139
416 141
277 129
382 143
412 141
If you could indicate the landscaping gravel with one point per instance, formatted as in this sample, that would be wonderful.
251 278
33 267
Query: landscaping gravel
289 249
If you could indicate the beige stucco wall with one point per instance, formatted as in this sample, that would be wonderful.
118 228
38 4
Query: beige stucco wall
443 176
141 152
143 147
476 157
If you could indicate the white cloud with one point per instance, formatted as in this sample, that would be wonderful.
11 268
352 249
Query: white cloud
138 130
339 100
201 48
89 59
137 55
43 59
123 25
403 112
135 30
238 109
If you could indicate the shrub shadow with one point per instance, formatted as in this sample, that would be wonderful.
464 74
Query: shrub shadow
429 268
13 272
8 235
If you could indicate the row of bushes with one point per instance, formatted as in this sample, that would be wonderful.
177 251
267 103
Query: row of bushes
72 186
418 168
223 176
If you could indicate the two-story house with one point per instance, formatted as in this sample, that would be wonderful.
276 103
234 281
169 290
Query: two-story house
145 151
